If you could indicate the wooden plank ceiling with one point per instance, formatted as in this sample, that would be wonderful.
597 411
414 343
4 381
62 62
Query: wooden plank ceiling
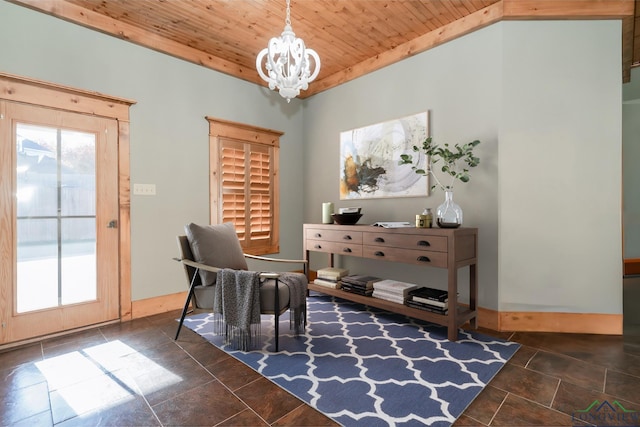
352 37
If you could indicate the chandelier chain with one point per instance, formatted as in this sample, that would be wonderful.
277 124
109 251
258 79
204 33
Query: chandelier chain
287 20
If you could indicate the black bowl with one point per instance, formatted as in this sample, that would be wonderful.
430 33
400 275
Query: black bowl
346 218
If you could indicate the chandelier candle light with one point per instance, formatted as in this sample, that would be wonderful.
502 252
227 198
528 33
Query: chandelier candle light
287 64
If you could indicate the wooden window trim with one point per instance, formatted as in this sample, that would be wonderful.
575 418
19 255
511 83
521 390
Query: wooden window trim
226 132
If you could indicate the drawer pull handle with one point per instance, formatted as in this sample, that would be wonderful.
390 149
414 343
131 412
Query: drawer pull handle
347 237
379 253
423 258
318 235
318 247
346 250
423 243
379 239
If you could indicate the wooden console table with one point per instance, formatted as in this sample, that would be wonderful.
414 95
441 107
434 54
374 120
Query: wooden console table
431 247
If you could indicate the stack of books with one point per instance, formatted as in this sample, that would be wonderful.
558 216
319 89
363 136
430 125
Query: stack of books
330 277
392 290
358 284
429 299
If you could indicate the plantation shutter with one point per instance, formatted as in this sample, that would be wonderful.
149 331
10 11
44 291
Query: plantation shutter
234 177
244 188
260 194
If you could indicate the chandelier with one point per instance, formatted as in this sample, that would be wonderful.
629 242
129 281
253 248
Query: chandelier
287 65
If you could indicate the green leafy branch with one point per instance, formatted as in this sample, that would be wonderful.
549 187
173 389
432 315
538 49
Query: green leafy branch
455 162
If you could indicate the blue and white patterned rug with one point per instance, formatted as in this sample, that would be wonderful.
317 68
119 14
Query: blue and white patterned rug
364 367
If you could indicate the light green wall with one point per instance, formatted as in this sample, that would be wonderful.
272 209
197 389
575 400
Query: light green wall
631 173
631 90
544 99
478 86
458 83
560 169
630 162
169 133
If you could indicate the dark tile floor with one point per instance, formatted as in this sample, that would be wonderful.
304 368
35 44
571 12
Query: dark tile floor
135 374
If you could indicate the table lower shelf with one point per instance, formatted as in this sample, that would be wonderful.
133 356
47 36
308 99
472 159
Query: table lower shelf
452 322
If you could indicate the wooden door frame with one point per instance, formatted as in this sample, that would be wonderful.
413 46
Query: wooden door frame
44 94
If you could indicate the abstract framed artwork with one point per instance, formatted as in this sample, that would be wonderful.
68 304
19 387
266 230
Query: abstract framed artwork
369 159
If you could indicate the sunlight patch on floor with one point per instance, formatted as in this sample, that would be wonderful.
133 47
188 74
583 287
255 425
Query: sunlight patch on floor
99 377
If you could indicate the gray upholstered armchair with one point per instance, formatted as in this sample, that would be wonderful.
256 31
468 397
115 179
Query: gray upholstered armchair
207 250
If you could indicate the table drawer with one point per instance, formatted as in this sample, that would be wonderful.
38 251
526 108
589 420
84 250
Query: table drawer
406 241
348 237
334 247
408 256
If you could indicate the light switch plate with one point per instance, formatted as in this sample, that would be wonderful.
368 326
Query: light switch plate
144 189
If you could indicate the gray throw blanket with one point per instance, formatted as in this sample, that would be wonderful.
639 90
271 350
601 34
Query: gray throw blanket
237 303
297 284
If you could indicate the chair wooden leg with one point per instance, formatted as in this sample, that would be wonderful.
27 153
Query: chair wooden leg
186 303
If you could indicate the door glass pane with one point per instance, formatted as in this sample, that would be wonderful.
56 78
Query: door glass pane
78 260
37 171
37 265
78 173
55 185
